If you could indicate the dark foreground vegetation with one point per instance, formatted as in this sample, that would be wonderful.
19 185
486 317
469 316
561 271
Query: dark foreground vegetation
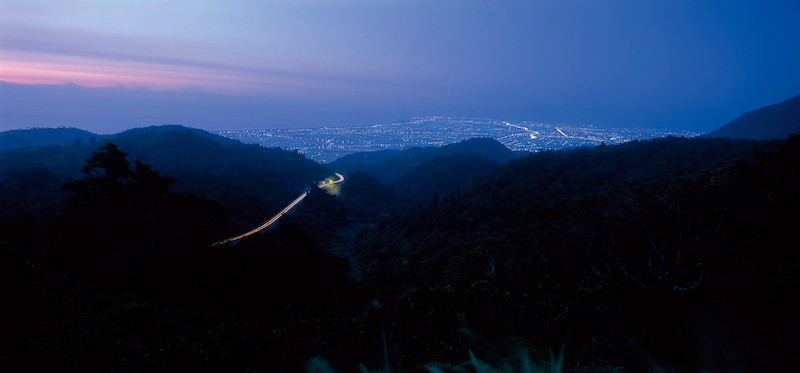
662 255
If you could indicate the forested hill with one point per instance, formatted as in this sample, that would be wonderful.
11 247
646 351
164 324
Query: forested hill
614 252
660 255
770 122
441 175
122 276
496 199
175 127
20 139
388 165
251 181
38 137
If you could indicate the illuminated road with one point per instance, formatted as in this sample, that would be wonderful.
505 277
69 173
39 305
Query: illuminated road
531 133
328 184
289 207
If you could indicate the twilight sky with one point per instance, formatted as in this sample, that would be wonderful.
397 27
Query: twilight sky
109 65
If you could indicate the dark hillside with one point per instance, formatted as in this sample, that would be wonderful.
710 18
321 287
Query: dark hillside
666 255
365 197
20 139
627 254
390 164
175 127
252 182
485 147
769 122
125 280
441 175
553 175
495 200
27 199
364 160
38 137
68 158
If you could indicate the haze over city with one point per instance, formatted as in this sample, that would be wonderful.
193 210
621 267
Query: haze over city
450 186
107 66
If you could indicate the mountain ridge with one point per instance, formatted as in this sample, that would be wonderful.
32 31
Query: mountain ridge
252 181
389 165
775 121
38 137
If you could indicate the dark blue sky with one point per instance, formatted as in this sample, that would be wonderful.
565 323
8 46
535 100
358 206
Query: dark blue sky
106 66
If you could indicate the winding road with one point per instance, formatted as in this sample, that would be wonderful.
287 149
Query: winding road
322 185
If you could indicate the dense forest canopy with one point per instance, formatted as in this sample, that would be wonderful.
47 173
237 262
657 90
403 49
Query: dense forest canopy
21 139
251 181
640 243
388 165
658 255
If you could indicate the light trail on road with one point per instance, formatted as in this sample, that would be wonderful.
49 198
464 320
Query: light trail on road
326 185
266 224
279 215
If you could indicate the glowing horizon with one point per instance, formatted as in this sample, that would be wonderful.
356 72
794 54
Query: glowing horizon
28 68
621 63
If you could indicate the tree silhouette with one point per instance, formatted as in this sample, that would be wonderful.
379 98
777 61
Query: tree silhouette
110 179
117 208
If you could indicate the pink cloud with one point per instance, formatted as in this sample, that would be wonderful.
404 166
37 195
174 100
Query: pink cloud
107 73
21 66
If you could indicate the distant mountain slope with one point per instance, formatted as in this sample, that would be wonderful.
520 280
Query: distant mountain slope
176 127
441 175
20 139
615 241
36 137
251 181
388 165
486 147
493 202
365 197
769 122
550 176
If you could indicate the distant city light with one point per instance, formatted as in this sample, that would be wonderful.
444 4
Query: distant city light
327 144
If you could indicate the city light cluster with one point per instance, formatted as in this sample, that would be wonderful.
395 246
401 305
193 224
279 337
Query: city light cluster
326 144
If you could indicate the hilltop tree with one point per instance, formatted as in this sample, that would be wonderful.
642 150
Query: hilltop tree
111 180
117 208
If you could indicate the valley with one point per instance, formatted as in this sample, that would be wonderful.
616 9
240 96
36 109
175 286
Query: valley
627 257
